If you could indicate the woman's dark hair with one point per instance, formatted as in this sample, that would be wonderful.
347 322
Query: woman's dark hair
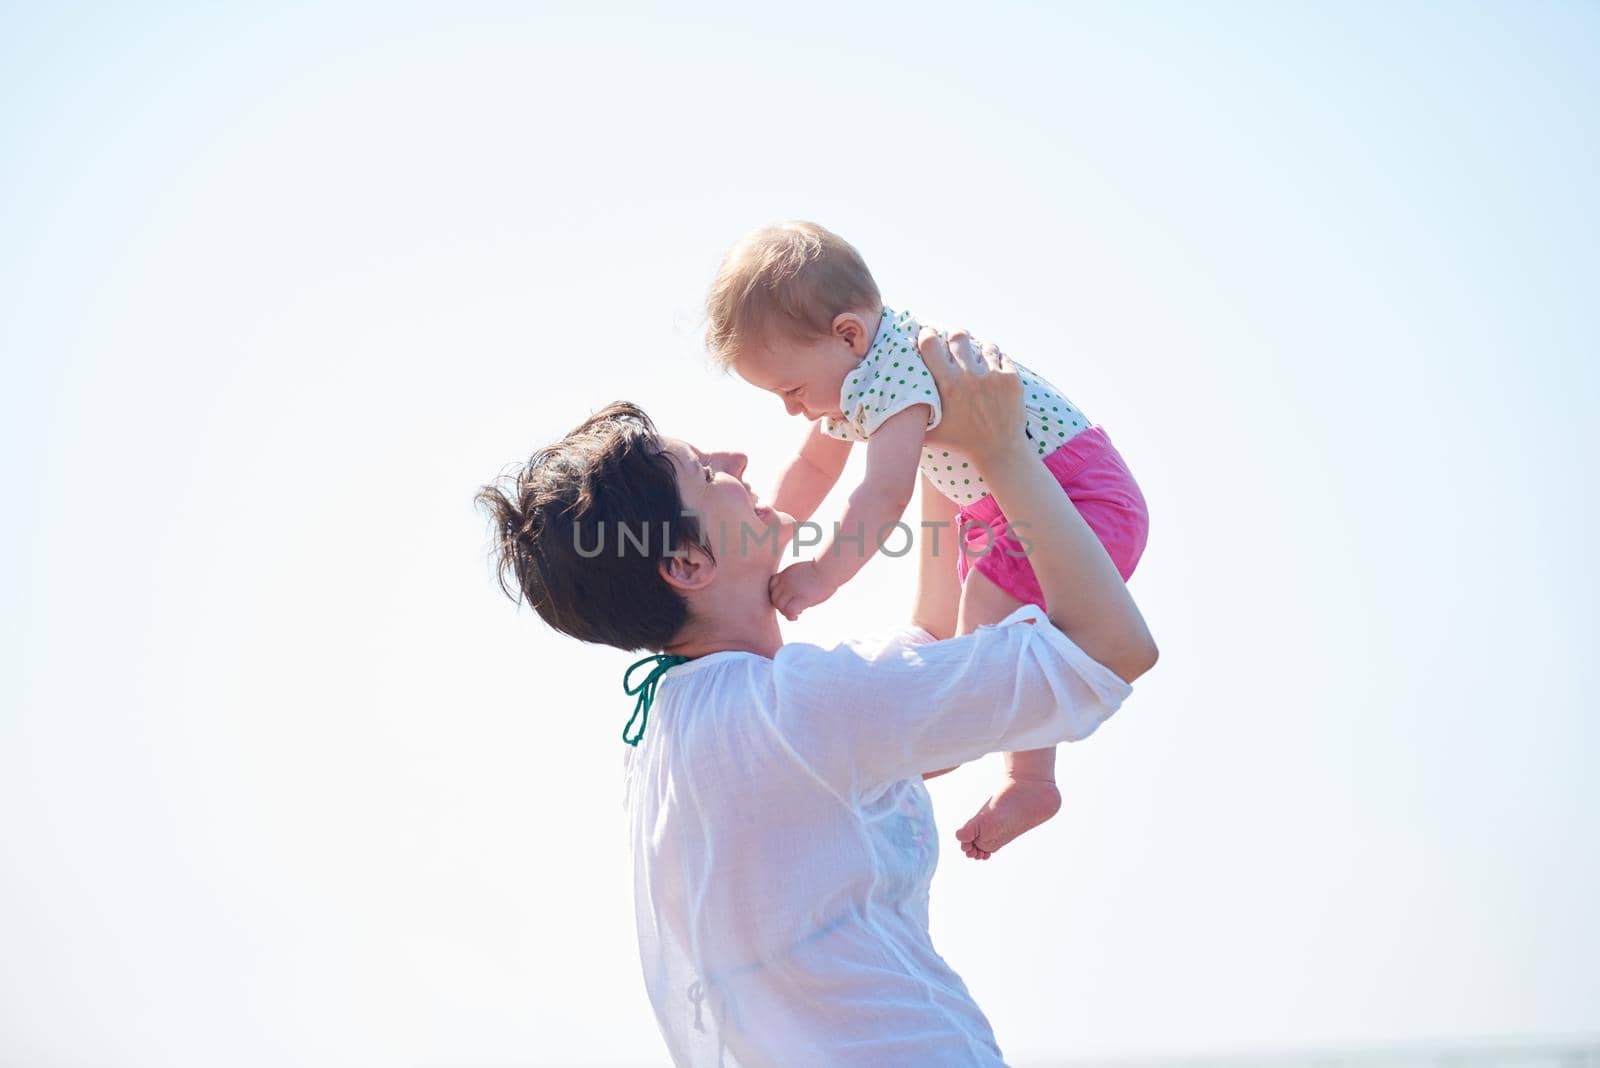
582 527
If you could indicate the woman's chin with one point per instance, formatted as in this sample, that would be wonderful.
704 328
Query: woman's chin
782 523
786 524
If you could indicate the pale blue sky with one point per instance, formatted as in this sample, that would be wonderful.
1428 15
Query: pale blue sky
283 781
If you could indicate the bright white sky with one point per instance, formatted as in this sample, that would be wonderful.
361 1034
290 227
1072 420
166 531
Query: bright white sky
284 780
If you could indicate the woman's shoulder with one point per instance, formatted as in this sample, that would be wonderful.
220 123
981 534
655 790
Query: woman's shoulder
715 698
715 685
733 666
807 672
866 646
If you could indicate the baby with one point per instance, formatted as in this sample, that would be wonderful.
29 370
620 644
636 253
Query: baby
795 311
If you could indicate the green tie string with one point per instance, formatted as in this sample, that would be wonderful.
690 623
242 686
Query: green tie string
646 690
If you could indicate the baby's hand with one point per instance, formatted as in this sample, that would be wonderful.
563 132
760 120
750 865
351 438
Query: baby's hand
796 588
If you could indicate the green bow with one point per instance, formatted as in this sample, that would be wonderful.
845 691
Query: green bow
646 691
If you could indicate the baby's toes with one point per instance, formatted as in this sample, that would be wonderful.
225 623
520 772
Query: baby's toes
968 835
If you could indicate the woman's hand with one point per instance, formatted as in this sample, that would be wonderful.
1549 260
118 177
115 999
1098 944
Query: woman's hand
980 394
983 417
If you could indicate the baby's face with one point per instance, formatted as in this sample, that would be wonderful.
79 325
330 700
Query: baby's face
807 375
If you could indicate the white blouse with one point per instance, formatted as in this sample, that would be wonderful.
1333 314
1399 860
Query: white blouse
783 841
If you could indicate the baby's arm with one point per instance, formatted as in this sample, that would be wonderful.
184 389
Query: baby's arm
810 476
893 454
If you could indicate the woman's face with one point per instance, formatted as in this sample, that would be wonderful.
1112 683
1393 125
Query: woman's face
745 535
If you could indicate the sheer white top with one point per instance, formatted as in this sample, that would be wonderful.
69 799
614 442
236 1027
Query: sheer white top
783 841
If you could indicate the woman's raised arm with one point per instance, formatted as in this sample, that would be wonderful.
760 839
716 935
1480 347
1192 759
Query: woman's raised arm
983 417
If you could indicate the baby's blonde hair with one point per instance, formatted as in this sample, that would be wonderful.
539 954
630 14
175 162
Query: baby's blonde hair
794 277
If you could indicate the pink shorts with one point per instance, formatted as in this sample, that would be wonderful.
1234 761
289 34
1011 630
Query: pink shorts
1097 480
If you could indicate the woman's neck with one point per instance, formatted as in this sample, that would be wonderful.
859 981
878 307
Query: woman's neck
720 623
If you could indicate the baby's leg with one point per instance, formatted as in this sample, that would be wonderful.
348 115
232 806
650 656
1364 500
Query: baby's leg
1028 795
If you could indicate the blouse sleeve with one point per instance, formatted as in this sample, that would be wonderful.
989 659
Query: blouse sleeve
862 718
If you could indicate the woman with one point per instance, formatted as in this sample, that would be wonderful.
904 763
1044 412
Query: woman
783 839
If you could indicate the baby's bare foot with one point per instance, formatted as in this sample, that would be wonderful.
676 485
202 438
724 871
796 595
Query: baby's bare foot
1019 805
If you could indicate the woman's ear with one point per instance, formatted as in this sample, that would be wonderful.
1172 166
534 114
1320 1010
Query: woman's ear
688 569
852 330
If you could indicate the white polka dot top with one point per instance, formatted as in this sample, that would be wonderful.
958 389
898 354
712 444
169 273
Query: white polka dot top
891 377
